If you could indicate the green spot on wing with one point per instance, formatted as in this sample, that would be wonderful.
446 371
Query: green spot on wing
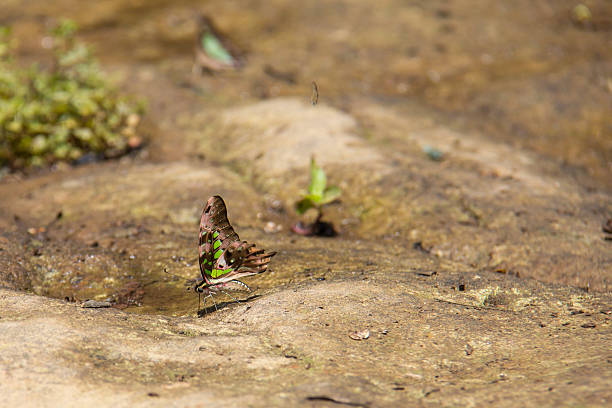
220 272
218 253
217 244
215 234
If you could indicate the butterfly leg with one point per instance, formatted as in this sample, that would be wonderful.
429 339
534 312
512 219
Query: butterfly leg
235 300
213 300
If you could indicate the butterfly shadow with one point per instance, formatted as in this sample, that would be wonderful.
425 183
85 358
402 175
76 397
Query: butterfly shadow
215 308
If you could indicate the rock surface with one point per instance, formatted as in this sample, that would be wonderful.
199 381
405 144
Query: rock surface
524 342
481 279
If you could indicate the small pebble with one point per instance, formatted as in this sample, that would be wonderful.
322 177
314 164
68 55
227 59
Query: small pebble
272 227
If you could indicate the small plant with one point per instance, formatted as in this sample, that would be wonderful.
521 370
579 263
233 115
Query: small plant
318 195
67 112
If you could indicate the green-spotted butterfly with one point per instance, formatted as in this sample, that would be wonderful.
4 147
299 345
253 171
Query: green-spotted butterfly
223 257
213 50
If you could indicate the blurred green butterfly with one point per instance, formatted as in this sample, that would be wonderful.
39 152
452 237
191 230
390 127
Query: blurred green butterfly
213 50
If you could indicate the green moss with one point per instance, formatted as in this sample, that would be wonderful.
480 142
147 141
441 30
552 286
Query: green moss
64 112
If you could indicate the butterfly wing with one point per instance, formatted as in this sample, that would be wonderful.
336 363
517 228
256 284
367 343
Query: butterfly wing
213 50
240 259
216 234
223 257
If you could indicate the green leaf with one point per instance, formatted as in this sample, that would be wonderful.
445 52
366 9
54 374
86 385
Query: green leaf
5 31
213 47
304 205
330 195
75 55
318 181
66 28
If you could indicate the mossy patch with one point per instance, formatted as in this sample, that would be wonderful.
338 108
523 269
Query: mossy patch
64 112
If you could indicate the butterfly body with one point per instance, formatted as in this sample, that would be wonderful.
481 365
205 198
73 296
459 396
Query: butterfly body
223 258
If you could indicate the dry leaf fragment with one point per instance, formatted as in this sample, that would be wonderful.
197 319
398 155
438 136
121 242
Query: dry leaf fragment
360 335
468 349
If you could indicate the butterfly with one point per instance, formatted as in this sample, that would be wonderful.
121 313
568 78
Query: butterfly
223 257
213 50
